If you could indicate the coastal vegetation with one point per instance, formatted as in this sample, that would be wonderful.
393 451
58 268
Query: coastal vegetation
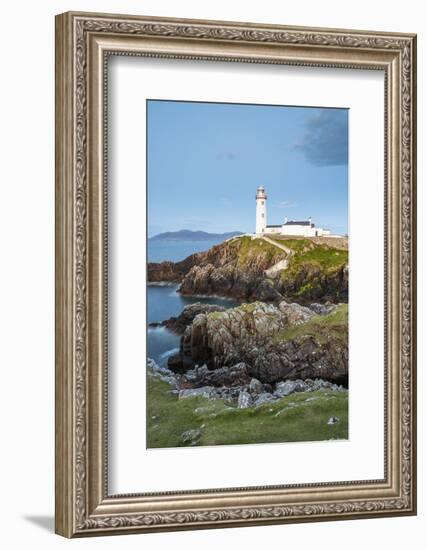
249 269
174 422
273 368
333 326
250 252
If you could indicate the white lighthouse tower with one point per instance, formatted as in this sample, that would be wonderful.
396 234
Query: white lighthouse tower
261 210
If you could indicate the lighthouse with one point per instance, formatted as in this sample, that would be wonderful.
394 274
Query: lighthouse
261 210
301 228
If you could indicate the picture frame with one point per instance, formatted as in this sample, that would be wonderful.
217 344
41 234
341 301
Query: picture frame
84 42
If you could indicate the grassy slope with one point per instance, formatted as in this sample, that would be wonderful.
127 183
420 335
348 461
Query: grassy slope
293 418
321 254
298 417
322 327
248 250
310 269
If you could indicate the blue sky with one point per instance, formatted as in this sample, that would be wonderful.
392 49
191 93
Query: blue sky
205 161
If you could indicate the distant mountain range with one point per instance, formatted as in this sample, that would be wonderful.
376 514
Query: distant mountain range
187 235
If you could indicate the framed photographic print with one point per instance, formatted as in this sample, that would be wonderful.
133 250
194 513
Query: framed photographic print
235 274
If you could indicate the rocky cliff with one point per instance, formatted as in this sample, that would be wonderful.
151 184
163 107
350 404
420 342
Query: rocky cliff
283 342
253 269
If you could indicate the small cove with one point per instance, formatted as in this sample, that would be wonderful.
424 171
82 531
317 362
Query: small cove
164 302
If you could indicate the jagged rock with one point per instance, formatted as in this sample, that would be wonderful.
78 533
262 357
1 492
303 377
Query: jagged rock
289 386
242 268
263 398
161 373
205 391
323 309
266 292
179 324
255 387
255 334
333 420
171 272
233 268
245 400
236 375
191 437
309 282
196 375
176 363
295 314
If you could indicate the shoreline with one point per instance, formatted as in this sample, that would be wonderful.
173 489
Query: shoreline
204 296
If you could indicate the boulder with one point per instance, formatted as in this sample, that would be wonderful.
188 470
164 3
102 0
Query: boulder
285 388
176 363
263 398
205 391
161 373
323 309
236 375
245 400
295 314
255 387
191 437
266 292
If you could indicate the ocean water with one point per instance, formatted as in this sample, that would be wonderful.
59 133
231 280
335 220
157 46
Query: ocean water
175 251
163 301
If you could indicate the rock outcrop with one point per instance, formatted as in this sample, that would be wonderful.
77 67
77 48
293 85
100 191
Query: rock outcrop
309 281
276 343
234 386
187 316
252 269
235 375
236 269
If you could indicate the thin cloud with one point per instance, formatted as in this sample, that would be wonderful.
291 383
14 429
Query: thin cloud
226 202
325 142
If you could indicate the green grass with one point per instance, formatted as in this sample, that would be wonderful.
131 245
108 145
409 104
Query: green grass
250 250
248 307
306 251
311 270
215 315
297 417
297 245
322 327
323 255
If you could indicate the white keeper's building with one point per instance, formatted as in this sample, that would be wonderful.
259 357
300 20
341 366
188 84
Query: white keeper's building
303 228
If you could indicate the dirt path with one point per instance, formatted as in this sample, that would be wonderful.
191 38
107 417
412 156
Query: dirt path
283 264
279 245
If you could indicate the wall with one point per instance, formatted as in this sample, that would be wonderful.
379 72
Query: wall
27 245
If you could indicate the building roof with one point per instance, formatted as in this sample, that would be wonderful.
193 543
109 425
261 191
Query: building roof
292 222
273 226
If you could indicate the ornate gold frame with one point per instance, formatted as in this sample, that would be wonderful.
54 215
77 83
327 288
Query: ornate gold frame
83 41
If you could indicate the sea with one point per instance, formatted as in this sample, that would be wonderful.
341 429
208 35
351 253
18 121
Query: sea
164 300
174 251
